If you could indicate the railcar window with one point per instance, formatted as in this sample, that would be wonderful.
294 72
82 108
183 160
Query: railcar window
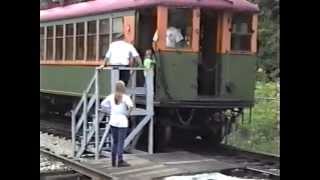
91 44
69 42
103 37
80 41
117 27
179 29
49 43
241 33
59 42
41 43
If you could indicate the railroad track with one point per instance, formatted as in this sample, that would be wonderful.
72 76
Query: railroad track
57 125
62 175
75 165
254 162
268 164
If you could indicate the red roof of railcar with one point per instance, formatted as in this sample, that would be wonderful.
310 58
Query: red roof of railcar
102 6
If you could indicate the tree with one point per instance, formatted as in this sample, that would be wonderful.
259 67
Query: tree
268 37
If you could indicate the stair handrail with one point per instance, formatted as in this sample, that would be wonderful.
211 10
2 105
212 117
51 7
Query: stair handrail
77 123
86 105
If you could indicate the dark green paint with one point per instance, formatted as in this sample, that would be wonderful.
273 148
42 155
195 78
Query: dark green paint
240 71
179 69
70 80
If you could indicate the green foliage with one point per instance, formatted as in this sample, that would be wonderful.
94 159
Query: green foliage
269 37
262 134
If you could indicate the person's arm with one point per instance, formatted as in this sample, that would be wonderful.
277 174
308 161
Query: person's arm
154 41
129 103
135 55
105 63
106 60
138 59
153 61
106 105
130 110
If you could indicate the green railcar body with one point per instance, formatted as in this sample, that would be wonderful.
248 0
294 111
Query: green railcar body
176 77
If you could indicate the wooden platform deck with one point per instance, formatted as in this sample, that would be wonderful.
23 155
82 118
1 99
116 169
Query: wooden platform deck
157 166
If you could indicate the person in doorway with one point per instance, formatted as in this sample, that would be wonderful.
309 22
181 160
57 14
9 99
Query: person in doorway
173 37
120 106
148 61
121 53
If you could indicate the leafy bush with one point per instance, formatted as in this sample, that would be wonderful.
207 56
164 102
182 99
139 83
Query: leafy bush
262 133
269 37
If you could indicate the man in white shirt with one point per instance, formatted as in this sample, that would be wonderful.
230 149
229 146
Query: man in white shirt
173 36
121 53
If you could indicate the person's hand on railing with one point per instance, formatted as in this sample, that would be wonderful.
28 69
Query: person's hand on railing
102 66
99 68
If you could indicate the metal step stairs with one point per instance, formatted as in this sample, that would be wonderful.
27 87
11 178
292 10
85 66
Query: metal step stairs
90 124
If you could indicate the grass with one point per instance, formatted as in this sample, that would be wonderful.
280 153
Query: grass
262 133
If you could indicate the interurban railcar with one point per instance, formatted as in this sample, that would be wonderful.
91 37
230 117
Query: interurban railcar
201 84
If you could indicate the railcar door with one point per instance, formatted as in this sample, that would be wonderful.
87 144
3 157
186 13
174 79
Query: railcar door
176 40
146 26
208 56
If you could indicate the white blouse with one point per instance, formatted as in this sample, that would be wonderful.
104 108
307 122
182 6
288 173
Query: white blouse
118 112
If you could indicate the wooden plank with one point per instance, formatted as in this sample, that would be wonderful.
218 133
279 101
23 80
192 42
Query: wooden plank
254 26
212 166
173 156
140 169
156 174
129 28
219 33
226 34
162 14
188 162
196 29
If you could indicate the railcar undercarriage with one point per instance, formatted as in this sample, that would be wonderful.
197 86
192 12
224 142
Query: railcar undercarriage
172 123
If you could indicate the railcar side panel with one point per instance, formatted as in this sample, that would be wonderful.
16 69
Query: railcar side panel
70 80
179 70
237 72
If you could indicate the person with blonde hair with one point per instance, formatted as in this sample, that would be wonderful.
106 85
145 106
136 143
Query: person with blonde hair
120 105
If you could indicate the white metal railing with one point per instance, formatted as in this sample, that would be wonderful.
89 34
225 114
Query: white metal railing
91 127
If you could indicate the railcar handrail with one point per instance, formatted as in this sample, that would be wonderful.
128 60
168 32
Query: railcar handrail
122 68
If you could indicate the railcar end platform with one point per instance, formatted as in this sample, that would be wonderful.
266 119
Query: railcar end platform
157 166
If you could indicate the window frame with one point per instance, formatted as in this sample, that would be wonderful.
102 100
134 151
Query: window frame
162 23
56 37
42 38
252 31
74 21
